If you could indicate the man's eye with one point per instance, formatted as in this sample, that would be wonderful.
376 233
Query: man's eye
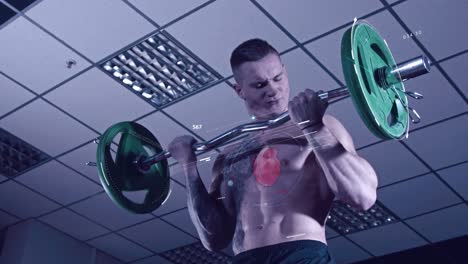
277 79
260 85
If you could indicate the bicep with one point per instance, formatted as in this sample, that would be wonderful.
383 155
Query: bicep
217 178
219 190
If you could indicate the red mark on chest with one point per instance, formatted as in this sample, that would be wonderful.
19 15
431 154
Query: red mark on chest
267 167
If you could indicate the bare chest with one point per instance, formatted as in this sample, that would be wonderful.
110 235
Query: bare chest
269 172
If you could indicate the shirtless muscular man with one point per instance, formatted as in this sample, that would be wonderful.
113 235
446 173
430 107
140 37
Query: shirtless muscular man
271 193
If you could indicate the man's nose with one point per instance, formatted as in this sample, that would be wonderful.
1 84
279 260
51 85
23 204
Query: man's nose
272 89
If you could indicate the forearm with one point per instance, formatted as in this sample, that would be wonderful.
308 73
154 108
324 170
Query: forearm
351 177
207 213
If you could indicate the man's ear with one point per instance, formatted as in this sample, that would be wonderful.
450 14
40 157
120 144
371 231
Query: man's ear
239 91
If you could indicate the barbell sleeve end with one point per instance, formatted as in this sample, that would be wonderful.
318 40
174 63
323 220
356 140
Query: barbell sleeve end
408 70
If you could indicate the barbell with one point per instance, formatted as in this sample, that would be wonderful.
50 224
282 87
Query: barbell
374 82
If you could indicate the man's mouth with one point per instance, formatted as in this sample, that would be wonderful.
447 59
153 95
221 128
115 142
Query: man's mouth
273 101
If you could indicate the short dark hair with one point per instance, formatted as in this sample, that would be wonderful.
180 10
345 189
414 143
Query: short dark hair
251 50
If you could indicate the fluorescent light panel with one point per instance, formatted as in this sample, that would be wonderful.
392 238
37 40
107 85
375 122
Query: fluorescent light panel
17 155
159 70
346 219
195 253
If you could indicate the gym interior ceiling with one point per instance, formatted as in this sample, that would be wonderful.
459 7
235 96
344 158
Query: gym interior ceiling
57 97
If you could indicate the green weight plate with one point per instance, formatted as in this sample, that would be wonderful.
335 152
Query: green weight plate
363 52
119 173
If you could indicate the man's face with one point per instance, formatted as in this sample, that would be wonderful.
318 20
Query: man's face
264 86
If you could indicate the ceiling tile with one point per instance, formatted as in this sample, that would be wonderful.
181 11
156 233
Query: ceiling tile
101 209
214 31
73 224
153 260
328 48
22 4
455 68
33 124
449 223
443 144
77 160
217 110
385 155
137 196
119 247
177 200
441 21
457 178
3 178
107 102
432 194
44 62
304 73
103 258
164 11
330 233
6 220
157 235
7 13
163 128
59 182
13 95
346 113
182 220
344 251
319 16
94 28
23 202
387 239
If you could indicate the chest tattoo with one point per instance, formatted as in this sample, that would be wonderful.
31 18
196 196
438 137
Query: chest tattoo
239 163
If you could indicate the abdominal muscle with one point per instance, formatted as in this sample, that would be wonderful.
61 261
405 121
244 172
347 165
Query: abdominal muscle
300 215
278 229
292 207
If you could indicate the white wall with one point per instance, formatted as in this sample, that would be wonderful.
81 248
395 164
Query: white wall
32 242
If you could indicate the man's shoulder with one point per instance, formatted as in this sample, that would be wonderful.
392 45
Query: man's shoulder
228 152
220 159
229 148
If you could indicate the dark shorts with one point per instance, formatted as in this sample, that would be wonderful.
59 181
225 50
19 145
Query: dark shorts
299 251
